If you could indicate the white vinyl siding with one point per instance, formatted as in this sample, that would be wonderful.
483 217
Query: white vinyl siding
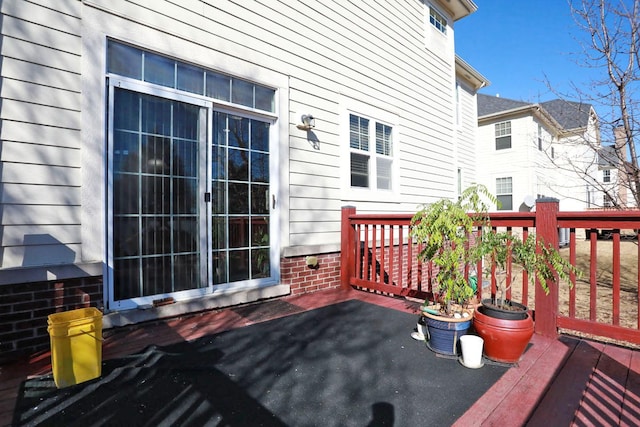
41 122
54 88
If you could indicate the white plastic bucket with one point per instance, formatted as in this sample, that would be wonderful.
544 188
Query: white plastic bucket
471 350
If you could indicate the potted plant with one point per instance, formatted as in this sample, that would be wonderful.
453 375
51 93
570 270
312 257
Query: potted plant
444 229
506 326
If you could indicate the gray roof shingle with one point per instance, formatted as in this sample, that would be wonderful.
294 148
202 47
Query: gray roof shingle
488 104
568 114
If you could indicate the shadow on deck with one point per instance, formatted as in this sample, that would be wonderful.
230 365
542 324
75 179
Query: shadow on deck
558 382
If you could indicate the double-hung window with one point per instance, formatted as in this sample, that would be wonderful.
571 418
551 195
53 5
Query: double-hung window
437 20
539 137
503 135
504 193
606 175
371 153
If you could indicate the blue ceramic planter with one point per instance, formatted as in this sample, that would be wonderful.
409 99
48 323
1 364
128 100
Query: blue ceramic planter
444 334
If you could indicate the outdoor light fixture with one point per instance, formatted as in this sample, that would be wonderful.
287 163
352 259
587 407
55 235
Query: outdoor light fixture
308 122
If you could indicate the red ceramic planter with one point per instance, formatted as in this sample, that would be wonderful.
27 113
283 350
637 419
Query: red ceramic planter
504 340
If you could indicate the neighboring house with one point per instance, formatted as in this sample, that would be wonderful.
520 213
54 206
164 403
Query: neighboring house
155 151
527 151
614 178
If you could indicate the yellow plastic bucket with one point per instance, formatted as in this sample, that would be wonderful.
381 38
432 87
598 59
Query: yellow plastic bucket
76 345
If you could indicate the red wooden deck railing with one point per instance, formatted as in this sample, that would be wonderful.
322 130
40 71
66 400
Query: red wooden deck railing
378 254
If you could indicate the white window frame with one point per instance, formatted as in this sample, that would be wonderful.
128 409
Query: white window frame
606 175
503 129
438 20
540 137
374 115
499 193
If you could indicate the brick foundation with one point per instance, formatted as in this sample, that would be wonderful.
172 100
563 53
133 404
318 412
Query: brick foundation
24 309
303 279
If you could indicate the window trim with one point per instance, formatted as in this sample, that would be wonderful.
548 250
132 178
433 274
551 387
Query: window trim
374 115
438 20
500 133
498 194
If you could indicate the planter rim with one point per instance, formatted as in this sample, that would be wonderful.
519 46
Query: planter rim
447 318
512 323
491 301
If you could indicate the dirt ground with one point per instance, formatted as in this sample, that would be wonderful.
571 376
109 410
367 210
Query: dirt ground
604 279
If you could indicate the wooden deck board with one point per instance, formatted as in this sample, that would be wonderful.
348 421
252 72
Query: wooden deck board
558 380
563 399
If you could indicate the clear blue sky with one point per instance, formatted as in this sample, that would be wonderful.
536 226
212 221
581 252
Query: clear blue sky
514 43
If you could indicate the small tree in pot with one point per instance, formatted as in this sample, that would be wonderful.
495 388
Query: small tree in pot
539 260
445 231
506 327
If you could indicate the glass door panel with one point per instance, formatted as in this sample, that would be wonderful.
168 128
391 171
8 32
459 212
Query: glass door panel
240 199
156 204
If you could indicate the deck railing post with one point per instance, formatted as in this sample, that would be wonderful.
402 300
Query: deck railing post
546 310
347 247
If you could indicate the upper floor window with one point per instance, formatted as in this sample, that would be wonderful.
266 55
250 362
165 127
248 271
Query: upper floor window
504 193
503 135
539 137
371 157
606 175
437 20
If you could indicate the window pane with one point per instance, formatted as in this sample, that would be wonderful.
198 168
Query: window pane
127 272
503 185
259 199
218 162
185 234
159 70
259 167
218 197
438 21
238 265
219 233
506 203
384 173
260 263
239 232
383 139
127 115
126 157
218 86
359 170
190 78
238 165
238 132
259 135
265 98
358 132
124 60
242 92
503 143
504 190
185 121
239 204
156 116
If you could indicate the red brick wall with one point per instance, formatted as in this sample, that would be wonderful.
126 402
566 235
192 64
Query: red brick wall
302 279
24 309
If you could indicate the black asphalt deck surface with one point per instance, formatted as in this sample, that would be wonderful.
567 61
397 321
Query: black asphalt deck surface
348 364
